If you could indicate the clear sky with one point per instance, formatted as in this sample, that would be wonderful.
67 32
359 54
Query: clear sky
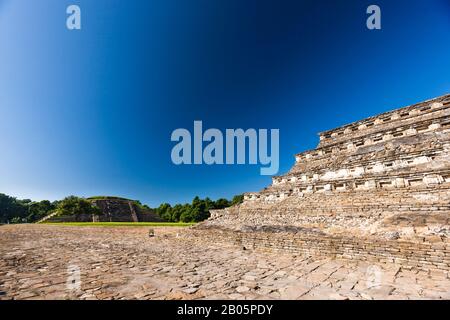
90 112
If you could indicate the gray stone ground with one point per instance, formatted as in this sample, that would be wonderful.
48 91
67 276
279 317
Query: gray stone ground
42 262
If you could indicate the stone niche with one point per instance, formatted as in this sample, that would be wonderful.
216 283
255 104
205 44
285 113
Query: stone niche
433 179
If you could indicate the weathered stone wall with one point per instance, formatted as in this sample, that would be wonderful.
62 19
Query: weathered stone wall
423 256
421 213
123 210
72 218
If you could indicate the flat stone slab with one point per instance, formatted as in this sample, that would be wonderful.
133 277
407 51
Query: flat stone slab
58 262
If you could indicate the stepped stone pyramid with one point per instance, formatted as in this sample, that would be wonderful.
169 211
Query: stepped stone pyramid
384 178
113 209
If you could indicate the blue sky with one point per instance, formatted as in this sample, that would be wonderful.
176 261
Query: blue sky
90 112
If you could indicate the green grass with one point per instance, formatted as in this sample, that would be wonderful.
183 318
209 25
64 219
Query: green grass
120 224
108 198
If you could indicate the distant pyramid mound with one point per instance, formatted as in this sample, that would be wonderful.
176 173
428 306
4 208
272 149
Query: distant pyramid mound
114 209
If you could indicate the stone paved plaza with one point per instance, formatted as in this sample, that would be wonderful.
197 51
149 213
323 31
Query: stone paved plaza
40 262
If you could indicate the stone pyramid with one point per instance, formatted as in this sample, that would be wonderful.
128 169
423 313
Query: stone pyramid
384 178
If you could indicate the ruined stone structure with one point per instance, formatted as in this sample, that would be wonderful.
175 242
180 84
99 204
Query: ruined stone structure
377 189
124 210
113 209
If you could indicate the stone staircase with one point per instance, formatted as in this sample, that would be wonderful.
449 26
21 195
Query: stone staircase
51 215
134 216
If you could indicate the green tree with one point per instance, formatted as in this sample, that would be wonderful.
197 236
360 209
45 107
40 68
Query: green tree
38 210
221 203
11 208
75 206
196 211
201 209
237 199
178 210
190 215
165 212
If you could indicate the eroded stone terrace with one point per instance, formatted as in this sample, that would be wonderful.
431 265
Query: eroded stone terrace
124 263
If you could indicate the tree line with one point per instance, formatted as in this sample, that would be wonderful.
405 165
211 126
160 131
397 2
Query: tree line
13 210
196 211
